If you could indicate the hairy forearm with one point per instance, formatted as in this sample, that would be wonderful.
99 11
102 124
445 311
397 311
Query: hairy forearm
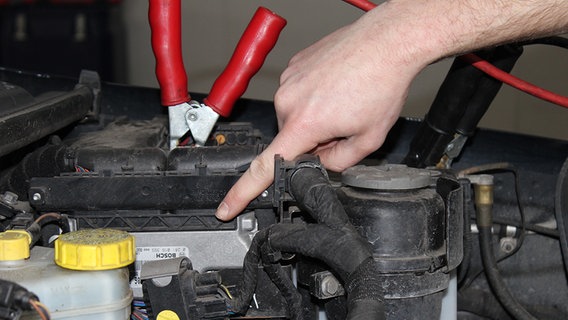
429 30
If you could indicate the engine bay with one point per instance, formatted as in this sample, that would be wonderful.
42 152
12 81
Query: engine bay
408 233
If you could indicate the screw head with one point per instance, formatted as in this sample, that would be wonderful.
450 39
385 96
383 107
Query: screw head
192 116
264 194
36 197
329 286
507 244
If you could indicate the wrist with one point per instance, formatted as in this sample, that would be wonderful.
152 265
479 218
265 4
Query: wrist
403 38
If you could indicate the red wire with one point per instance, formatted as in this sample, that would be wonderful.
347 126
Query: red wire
513 81
137 316
491 70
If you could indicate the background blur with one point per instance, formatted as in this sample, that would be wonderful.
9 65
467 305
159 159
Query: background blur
113 37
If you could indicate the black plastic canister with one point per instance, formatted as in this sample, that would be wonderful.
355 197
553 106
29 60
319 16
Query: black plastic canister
400 212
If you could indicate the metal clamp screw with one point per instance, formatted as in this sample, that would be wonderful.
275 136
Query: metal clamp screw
36 196
192 116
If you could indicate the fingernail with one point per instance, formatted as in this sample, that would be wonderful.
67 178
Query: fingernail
222 211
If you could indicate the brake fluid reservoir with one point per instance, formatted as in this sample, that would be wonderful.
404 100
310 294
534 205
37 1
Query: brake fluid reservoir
96 288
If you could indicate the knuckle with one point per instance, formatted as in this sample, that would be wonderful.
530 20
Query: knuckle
279 97
295 58
368 145
284 76
281 100
340 167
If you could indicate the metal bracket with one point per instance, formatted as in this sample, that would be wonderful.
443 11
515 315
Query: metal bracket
195 117
92 80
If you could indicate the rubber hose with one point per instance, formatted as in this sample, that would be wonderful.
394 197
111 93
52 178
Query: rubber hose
469 210
313 192
284 283
561 211
340 251
495 280
250 274
356 268
333 240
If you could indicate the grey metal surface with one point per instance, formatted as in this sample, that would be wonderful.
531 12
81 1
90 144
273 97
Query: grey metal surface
386 177
163 268
178 125
192 116
207 250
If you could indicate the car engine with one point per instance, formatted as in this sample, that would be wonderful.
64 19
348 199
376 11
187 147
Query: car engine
444 221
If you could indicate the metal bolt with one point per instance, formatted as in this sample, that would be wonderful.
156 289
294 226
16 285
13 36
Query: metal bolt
508 244
264 194
192 116
329 286
36 197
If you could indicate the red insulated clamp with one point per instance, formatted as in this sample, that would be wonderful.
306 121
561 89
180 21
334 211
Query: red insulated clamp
256 42
165 22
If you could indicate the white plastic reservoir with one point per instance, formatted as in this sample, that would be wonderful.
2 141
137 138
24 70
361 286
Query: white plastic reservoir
94 283
70 294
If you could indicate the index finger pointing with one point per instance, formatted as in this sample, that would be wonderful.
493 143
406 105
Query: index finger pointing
260 174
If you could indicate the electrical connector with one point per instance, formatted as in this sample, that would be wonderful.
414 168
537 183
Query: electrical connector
14 299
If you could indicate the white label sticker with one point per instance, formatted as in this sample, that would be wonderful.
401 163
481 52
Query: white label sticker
145 254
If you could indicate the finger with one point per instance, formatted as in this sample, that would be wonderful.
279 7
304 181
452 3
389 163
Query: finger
347 152
325 145
260 174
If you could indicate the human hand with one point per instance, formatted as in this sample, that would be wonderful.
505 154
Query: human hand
338 99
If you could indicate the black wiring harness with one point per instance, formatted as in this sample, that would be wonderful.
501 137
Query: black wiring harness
333 240
14 299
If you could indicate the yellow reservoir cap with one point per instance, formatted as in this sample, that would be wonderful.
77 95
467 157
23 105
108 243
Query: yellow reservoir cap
167 315
95 249
14 245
